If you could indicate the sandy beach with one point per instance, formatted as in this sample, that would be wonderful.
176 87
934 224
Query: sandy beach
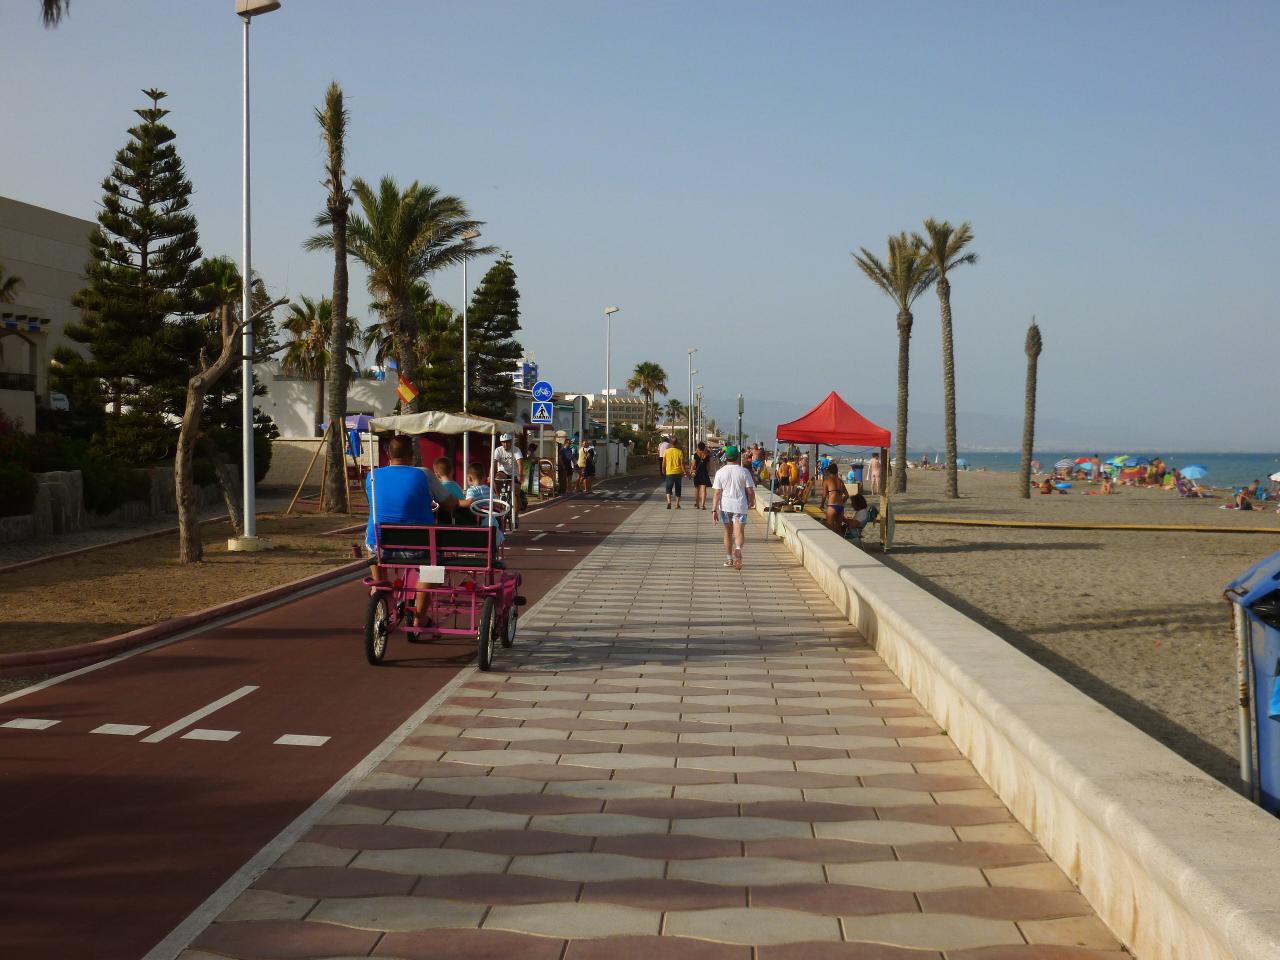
1135 619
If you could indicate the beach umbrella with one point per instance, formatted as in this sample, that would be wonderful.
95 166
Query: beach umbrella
1066 463
961 462
1084 459
1119 461
1275 476
1194 472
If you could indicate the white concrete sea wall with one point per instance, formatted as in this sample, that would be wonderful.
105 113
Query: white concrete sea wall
1179 866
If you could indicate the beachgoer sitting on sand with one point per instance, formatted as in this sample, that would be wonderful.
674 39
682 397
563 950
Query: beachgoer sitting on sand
1047 486
1106 489
856 512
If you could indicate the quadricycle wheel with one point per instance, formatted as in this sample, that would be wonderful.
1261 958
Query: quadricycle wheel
377 628
485 634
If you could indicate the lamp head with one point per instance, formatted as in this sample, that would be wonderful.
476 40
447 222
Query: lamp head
252 8
472 234
610 311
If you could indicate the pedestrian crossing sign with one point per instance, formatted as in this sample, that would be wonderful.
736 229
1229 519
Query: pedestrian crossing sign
541 413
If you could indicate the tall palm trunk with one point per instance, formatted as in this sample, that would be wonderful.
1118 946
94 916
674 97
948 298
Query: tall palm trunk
1033 347
904 363
338 375
333 122
405 333
948 387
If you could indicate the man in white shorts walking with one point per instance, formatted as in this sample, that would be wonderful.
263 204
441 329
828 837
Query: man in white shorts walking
733 493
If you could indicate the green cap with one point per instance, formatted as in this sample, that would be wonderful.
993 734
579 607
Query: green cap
730 452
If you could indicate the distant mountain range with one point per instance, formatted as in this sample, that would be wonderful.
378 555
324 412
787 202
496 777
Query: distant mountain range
977 431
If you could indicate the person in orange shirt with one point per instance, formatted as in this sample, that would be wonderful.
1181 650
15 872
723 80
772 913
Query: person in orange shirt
673 466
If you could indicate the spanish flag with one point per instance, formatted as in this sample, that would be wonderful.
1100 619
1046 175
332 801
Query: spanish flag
406 390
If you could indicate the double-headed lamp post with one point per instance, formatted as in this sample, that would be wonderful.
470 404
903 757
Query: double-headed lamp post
467 237
247 10
689 437
608 357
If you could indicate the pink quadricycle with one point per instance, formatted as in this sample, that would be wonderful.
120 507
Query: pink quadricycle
469 591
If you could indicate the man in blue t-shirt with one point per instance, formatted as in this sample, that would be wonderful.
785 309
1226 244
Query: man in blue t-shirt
402 493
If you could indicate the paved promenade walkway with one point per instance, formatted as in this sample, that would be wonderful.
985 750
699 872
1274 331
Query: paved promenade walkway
680 762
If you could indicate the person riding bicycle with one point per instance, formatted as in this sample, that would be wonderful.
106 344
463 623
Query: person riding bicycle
401 493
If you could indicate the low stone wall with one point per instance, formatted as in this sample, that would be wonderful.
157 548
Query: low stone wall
59 506
1179 866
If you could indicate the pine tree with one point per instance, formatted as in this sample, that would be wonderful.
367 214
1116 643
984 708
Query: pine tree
440 351
137 310
492 324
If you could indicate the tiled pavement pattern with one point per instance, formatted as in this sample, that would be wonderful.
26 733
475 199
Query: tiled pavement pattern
680 762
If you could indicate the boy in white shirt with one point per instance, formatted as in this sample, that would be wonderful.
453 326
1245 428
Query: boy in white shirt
733 493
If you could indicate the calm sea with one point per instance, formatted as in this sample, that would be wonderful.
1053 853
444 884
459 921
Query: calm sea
1225 469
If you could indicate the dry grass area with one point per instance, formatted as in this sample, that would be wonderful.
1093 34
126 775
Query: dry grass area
114 589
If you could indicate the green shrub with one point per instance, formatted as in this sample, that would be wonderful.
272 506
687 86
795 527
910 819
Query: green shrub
17 490
109 484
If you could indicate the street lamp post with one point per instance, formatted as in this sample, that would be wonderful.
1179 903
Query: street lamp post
608 357
700 421
689 437
247 10
466 369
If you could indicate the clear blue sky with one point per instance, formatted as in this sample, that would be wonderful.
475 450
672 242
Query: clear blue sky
709 167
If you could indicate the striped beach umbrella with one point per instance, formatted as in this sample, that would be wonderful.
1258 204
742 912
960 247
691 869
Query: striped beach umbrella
1066 463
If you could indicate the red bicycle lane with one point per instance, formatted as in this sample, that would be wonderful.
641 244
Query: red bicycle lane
162 773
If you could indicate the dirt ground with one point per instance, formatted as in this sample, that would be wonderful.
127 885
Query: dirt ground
115 589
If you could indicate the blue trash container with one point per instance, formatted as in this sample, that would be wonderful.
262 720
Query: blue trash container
1257 593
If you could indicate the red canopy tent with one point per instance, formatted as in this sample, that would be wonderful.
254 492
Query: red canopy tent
834 423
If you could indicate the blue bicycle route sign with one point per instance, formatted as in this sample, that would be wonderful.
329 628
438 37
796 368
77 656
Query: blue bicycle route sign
542 391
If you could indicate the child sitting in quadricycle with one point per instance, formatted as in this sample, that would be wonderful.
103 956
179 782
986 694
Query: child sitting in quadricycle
431 579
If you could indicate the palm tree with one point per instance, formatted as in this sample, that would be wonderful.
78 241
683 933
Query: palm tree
8 286
648 379
907 274
333 119
310 324
401 236
1032 347
52 11
943 244
675 411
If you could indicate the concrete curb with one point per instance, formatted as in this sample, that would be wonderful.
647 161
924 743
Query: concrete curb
63 659
1177 865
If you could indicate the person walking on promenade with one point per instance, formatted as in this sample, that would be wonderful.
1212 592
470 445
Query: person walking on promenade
701 475
673 467
566 466
663 447
586 465
733 494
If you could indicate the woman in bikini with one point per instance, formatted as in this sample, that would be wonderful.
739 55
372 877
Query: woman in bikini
834 496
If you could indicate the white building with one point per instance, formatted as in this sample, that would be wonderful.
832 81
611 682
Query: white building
47 251
291 401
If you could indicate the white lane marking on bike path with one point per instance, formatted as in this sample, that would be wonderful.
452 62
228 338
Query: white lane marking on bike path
538 536
218 735
165 733
29 723
301 740
121 729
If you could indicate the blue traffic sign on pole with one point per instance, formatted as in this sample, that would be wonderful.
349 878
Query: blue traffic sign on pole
541 413
542 392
